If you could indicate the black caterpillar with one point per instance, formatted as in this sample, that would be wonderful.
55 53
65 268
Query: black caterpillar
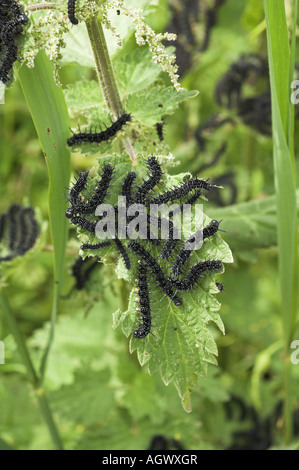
153 180
100 193
83 223
98 246
163 282
186 251
185 18
98 137
144 301
159 129
12 21
196 273
122 252
229 89
210 21
182 191
18 231
74 193
127 187
71 9
170 244
82 269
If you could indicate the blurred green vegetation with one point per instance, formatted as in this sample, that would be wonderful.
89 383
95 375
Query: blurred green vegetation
100 396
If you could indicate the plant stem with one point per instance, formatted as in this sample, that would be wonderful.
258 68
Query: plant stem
44 360
14 328
104 67
106 75
42 6
48 418
287 408
34 379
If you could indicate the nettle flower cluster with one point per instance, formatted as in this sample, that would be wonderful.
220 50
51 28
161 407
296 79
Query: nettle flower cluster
136 233
48 31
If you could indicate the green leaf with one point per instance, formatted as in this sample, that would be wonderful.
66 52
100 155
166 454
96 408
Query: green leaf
182 344
140 397
83 94
249 225
135 70
78 341
144 105
78 49
96 399
20 417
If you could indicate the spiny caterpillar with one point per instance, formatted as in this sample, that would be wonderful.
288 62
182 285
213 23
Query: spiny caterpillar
12 21
196 273
100 193
210 21
18 231
82 269
186 251
159 129
181 191
127 187
163 282
153 180
229 89
122 252
144 301
98 137
71 9
98 246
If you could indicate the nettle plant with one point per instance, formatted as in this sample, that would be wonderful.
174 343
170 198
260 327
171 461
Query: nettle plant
172 308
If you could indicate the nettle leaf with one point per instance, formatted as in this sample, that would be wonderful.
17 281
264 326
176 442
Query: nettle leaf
183 338
95 401
144 97
144 105
135 70
250 225
83 94
78 49
182 344
147 106
80 342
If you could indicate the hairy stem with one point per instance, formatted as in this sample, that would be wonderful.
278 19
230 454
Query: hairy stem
104 67
106 75
41 6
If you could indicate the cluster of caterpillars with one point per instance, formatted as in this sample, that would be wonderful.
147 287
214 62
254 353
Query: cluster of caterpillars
12 21
178 277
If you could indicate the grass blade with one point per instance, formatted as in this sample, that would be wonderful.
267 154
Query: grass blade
281 63
50 115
